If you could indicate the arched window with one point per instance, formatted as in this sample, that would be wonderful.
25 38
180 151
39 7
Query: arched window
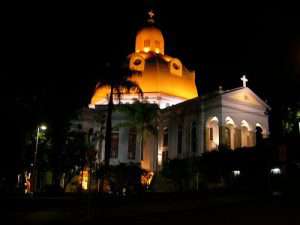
146 43
194 137
230 133
245 134
212 133
137 62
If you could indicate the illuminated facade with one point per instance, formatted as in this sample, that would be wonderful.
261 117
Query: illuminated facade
164 80
189 125
224 118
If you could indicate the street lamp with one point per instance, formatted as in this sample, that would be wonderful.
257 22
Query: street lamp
43 128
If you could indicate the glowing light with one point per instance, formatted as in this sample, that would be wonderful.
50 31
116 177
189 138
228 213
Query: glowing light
244 123
146 178
214 119
263 130
236 173
85 179
157 51
229 121
91 106
162 100
245 80
275 171
27 183
159 157
258 125
146 49
43 127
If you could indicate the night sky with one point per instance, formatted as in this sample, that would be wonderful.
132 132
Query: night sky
53 55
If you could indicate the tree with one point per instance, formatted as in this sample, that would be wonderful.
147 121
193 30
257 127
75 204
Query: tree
141 116
259 136
116 79
291 120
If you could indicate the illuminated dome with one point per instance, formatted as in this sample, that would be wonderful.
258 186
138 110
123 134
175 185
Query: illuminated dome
150 39
163 79
163 75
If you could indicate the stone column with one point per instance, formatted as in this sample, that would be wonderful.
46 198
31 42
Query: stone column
238 138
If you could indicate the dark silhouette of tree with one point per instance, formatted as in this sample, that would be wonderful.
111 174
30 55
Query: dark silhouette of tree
259 136
143 117
116 79
291 120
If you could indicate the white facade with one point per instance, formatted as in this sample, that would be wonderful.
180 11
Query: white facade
226 118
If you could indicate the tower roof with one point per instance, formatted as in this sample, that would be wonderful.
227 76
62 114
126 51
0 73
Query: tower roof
150 38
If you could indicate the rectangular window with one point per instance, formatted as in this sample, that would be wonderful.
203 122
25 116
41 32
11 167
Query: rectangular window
114 144
211 134
131 143
165 138
179 140
146 43
156 44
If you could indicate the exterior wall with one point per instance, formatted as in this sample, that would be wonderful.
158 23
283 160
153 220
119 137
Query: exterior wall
172 139
210 108
200 111
150 152
181 115
251 112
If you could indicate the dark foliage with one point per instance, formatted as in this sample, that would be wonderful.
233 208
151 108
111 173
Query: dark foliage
217 167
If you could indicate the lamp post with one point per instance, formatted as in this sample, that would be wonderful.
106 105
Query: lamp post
42 127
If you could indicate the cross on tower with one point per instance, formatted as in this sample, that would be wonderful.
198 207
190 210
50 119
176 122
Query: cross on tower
151 14
245 80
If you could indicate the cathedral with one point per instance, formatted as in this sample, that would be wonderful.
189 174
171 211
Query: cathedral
189 125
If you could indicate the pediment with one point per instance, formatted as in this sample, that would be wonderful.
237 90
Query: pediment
245 96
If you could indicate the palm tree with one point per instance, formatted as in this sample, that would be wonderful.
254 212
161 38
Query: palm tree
143 117
116 79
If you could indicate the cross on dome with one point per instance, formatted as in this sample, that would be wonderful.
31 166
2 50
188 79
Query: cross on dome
245 80
151 15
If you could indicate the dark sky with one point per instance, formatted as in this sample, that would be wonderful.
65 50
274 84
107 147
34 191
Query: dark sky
65 47
54 54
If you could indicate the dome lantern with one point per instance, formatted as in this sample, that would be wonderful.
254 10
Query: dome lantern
150 38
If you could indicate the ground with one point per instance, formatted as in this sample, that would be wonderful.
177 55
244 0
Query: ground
155 208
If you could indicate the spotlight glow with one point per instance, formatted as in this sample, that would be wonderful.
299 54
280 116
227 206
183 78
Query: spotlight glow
275 171
236 173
